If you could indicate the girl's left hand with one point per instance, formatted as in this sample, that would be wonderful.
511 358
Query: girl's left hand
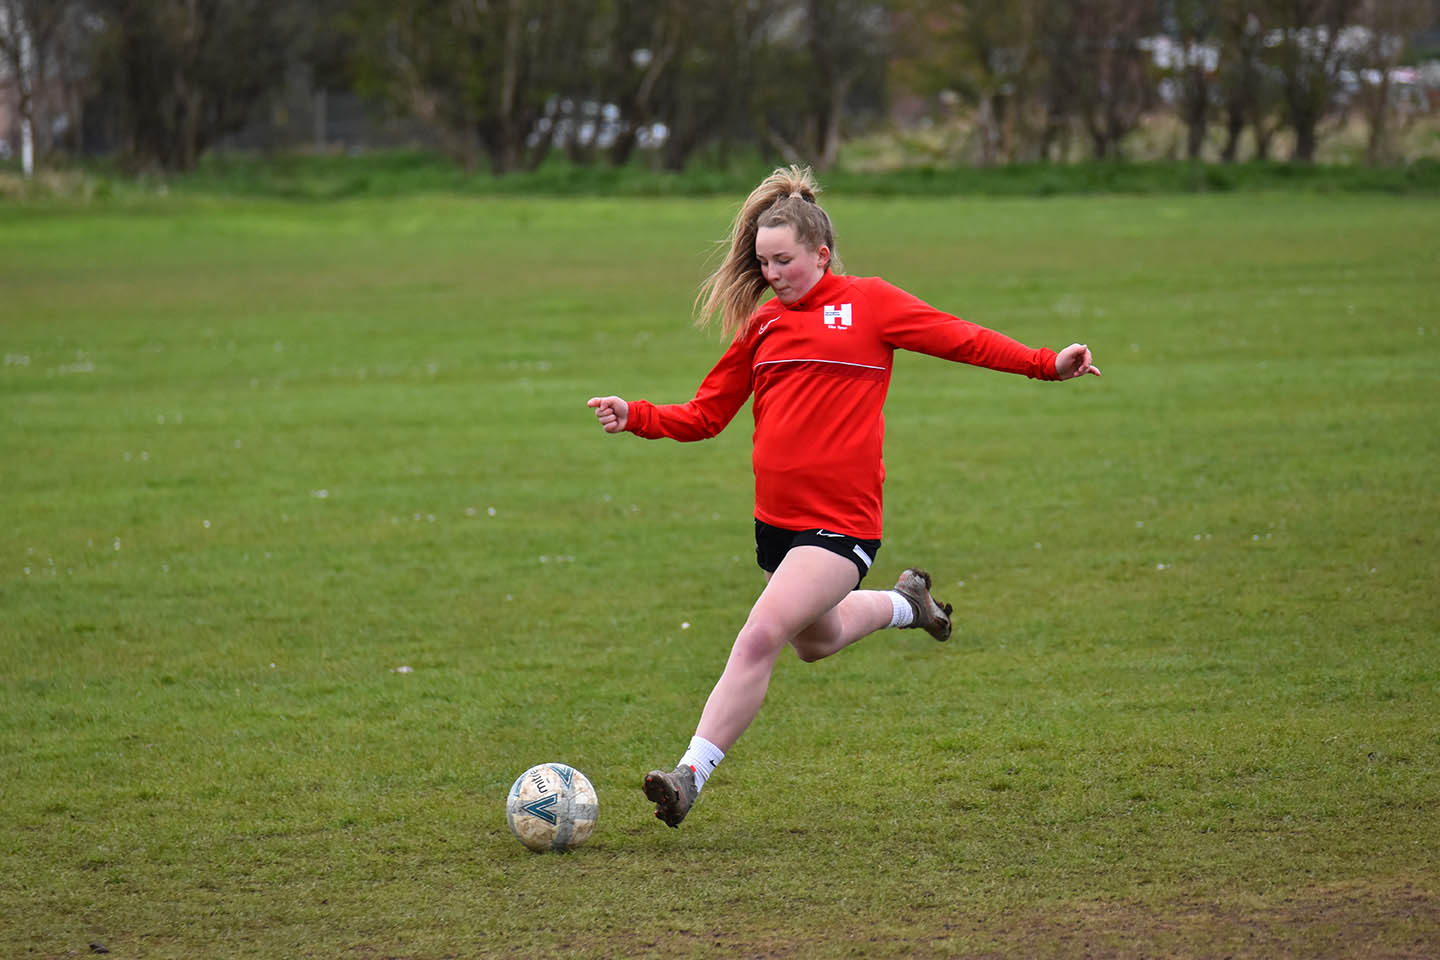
1074 361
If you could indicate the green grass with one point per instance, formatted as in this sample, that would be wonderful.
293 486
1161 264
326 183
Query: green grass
258 455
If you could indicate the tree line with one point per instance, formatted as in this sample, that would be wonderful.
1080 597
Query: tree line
504 83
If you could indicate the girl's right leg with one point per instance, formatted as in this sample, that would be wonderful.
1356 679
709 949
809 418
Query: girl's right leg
809 582
807 585
810 601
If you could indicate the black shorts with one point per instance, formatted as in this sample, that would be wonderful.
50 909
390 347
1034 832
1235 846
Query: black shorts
772 543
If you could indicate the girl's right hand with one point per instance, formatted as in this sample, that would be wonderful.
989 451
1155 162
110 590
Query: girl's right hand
612 412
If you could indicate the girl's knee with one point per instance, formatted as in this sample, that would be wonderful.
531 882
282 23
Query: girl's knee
759 641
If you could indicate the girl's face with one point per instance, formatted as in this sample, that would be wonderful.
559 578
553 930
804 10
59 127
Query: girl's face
790 267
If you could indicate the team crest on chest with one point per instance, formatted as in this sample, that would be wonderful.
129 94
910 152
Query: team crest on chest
838 317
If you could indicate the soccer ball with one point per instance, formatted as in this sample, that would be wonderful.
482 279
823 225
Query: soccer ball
552 806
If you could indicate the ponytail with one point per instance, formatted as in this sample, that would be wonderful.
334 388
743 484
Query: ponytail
734 290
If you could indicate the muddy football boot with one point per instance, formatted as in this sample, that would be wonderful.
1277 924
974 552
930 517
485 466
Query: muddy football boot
672 793
932 617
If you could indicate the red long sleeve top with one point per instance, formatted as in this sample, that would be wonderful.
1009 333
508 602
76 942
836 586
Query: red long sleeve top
820 370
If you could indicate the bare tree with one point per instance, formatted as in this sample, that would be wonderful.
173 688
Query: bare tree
1383 26
1193 26
1249 85
178 74
1110 79
645 40
1310 58
1060 42
479 73
982 50
409 63
30 41
817 54
74 58
519 54
845 39
723 76
516 78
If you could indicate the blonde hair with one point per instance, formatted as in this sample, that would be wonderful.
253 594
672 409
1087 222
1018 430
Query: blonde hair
734 290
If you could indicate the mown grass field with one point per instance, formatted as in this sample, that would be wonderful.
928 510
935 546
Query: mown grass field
258 456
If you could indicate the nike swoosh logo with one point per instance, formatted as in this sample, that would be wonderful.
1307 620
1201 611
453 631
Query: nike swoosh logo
823 533
767 325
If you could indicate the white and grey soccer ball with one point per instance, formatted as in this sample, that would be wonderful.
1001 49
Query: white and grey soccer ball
552 806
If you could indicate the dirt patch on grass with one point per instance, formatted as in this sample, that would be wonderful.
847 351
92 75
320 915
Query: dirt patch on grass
1361 920
1392 920
1372 920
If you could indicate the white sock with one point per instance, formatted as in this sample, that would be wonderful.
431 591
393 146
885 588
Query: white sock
702 757
902 614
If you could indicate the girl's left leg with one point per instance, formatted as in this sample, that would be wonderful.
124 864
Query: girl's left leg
860 614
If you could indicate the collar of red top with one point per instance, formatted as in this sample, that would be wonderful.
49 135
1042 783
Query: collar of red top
816 296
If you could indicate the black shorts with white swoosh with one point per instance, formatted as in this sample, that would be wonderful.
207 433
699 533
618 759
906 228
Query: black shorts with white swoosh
772 543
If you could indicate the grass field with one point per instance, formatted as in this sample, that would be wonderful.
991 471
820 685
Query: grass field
257 457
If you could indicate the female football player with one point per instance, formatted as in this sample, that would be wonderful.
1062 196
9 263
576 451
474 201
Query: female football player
817 357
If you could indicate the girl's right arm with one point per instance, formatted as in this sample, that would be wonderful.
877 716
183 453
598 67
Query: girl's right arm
721 395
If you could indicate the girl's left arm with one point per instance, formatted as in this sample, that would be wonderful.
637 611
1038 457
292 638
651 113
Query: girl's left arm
913 324
1074 361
